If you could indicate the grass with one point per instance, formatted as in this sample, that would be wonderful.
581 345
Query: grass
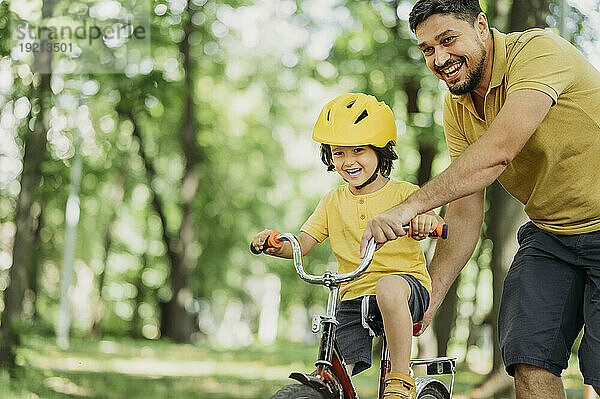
138 369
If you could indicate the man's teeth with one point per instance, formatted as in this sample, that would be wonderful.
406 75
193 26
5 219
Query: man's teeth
452 70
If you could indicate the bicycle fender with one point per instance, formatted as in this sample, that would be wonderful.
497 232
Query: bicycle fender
423 382
316 383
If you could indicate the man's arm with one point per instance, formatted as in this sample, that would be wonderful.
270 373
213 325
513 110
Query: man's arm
464 218
477 167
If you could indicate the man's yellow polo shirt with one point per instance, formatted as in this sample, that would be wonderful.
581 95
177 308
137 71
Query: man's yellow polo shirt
342 216
557 174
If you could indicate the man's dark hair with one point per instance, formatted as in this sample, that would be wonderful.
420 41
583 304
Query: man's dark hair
385 155
467 10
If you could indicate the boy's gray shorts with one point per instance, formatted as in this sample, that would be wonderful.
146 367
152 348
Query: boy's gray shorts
551 290
354 340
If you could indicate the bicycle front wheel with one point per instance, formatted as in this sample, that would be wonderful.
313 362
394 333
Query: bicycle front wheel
431 392
297 391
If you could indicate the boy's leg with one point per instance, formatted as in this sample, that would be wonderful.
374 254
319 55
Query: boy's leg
350 368
393 293
352 338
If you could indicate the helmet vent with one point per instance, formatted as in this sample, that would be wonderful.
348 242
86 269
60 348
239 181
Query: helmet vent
350 104
361 117
328 112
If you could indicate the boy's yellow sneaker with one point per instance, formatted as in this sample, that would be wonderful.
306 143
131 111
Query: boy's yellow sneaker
399 386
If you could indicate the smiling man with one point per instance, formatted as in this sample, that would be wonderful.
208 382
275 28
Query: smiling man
523 108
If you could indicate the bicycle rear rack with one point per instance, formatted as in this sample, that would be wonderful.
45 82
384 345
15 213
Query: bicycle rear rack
437 366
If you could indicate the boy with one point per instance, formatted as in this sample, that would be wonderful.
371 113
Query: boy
357 134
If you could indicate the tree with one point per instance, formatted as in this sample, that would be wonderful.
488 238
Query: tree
26 218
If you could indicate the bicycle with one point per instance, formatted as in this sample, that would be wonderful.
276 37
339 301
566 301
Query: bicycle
331 380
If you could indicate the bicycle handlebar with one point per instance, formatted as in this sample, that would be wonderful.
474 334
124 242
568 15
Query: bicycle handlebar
275 240
441 231
327 278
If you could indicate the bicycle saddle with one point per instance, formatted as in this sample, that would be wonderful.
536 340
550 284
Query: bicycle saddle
371 317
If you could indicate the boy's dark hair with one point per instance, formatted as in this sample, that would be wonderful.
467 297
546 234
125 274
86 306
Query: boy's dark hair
467 10
385 155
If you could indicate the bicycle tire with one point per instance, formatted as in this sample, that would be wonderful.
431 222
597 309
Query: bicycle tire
297 391
431 392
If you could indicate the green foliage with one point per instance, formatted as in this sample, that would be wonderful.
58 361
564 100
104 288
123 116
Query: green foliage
124 368
259 72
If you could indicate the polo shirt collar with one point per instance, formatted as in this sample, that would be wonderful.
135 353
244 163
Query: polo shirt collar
498 66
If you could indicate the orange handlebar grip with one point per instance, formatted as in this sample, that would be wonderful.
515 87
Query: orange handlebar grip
272 241
441 231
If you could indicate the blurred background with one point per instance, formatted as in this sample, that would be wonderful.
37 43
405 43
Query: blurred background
128 197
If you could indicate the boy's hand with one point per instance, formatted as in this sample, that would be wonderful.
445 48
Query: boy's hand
422 225
258 242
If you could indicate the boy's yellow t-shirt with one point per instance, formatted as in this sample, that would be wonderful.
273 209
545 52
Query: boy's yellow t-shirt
342 216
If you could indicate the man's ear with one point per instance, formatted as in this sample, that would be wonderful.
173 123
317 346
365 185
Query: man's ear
481 26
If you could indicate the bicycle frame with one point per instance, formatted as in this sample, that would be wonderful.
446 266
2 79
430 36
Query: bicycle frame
331 377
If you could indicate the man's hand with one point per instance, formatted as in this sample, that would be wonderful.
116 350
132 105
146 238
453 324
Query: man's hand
386 226
426 320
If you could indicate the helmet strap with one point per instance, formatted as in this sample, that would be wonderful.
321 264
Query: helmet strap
369 180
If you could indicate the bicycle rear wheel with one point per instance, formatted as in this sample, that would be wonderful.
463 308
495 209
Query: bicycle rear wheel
297 391
432 392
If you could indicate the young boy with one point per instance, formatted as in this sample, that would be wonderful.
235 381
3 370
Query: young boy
357 134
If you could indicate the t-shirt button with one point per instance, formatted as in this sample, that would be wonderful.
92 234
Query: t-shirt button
361 201
362 216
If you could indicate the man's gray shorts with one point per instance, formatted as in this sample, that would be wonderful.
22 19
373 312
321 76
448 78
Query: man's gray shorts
354 340
551 290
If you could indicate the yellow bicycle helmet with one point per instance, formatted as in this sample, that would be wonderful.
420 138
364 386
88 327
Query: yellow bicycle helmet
355 119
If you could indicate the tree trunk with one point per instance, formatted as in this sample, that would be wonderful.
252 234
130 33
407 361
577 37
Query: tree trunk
445 319
96 330
137 323
34 270
527 14
171 312
180 322
26 224
496 383
502 221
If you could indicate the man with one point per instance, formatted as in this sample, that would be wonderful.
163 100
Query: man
523 108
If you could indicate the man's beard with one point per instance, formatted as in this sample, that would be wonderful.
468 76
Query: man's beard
473 77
